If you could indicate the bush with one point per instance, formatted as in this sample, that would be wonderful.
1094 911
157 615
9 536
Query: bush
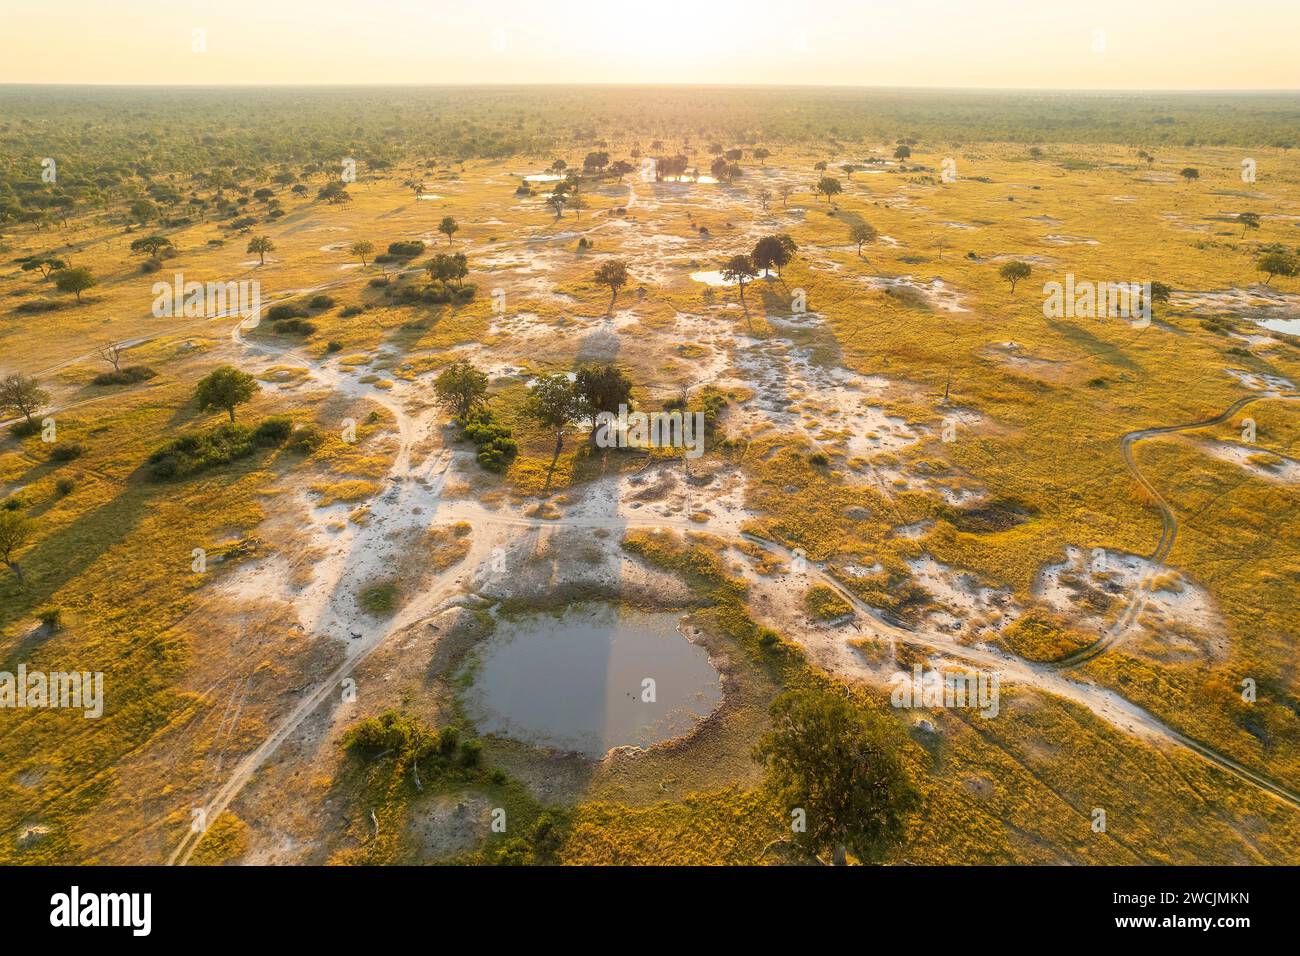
379 281
293 327
66 451
471 753
51 618
306 440
825 604
64 487
496 446
273 431
406 250
334 346
285 310
321 302
40 305
24 429
351 311
379 600
819 459
199 451
447 741
127 376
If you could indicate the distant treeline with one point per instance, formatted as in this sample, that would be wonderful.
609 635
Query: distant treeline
102 135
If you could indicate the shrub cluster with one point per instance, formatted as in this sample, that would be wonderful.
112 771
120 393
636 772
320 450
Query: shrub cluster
496 446
127 376
199 451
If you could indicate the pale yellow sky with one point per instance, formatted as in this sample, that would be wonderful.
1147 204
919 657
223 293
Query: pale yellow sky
1107 44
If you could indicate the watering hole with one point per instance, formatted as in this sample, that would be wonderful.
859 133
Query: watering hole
577 680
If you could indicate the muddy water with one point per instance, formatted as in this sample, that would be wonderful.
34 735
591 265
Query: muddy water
575 681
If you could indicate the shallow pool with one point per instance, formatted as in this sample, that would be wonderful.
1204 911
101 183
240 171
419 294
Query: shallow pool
590 679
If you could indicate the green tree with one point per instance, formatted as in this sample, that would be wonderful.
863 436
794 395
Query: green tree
460 388
22 395
142 210
839 764
448 227
770 253
334 193
1190 173
1013 272
739 269
361 249
829 186
1248 220
46 265
553 403
1277 264
224 389
448 268
862 233
613 273
261 245
15 532
75 281
602 388
903 152
152 245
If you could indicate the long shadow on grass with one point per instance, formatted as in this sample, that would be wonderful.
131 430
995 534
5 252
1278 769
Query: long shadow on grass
1097 348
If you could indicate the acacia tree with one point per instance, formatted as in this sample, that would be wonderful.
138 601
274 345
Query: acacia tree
15 532
448 227
361 249
739 269
1190 173
46 265
785 190
862 233
224 389
75 281
839 764
22 395
613 273
764 197
556 201
261 245
1248 220
460 388
154 245
1013 272
1278 264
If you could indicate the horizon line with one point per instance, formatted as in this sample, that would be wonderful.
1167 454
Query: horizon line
7 84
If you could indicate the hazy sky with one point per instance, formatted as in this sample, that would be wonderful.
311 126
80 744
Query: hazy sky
1098 44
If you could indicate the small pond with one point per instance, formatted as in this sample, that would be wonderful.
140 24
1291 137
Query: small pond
575 681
